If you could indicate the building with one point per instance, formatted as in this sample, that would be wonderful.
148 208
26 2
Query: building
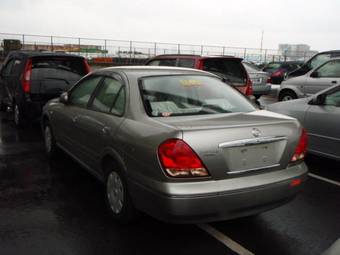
296 51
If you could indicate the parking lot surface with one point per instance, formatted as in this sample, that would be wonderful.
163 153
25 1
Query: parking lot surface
58 208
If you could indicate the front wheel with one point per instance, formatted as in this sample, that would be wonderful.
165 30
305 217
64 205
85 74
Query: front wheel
287 95
118 198
50 143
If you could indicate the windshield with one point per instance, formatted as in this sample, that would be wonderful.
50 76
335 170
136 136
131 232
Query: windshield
177 95
319 60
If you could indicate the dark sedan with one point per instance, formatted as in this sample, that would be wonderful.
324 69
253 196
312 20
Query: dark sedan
177 144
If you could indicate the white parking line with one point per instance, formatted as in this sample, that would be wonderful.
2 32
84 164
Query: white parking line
224 239
324 179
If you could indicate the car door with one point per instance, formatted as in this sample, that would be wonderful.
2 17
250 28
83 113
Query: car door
66 116
97 124
323 77
322 123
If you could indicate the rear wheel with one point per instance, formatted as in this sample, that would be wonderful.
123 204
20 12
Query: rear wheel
18 117
287 95
117 197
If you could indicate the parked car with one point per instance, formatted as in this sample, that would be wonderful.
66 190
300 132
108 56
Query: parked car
324 76
177 144
29 79
227 67
279 70
314 62
320 115
261 80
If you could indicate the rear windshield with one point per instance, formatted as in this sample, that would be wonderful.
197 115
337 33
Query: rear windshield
250 68
69 65
272 66
178 95
231 70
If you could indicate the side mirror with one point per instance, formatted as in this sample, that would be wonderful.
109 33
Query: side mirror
318 100
63 98
315 74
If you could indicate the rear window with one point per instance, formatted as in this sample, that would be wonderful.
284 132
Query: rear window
189 63
69 65
231 70
179 95
163 62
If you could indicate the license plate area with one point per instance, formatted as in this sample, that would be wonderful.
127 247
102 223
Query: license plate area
257 80
253 157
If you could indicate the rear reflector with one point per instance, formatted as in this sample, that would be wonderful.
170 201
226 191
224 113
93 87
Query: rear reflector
301 148
295 182
179 160
26 79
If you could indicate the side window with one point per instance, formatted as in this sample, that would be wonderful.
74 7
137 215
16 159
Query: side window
8 68
119 104
107 95
330 69
81 94
190 63
333 99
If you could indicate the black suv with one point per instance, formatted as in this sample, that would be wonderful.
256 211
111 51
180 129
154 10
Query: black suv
29 79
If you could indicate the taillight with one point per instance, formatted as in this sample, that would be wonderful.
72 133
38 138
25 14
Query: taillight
269 80
301 148
87 66
179 160
200 64
249 88
26 78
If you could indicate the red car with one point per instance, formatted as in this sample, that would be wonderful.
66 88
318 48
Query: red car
228 67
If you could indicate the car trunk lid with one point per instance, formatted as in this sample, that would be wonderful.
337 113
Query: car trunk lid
240 143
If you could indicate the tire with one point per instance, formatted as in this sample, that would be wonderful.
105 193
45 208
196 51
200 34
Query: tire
287 95
18 117
117 197
49 142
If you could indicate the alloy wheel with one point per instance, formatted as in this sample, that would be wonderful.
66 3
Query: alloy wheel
115 192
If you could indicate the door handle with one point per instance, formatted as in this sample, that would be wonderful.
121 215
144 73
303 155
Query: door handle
106 130
334 82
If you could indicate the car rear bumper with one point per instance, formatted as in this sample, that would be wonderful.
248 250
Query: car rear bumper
261 89
218 200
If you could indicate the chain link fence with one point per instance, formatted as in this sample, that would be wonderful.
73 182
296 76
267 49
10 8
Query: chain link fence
132 52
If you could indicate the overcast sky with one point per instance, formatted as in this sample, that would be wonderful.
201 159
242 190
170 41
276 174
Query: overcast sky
212 22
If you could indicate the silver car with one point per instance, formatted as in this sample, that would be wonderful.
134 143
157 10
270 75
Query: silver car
320 115
260 80
319 78
177 144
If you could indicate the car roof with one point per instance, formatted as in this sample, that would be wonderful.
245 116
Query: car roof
194 56
152 70
29 54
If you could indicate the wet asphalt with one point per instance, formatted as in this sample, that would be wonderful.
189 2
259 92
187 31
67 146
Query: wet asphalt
58 208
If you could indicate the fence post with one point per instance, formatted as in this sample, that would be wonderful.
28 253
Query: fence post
265 55
78 46
105 48
201 49
51 42
245 53
23 41
223 51
155 49
179 49
130 50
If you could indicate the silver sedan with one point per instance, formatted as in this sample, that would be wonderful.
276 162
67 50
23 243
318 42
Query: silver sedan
320 115
177 144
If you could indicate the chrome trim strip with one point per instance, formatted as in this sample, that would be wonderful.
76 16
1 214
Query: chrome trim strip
253 169
252 141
